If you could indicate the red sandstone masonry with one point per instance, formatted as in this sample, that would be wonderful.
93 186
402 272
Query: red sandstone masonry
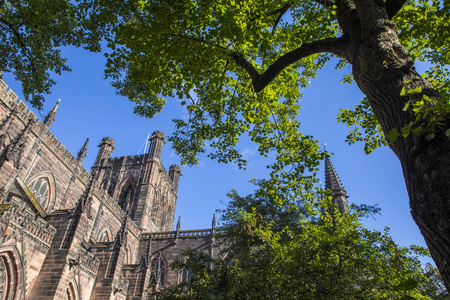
100 269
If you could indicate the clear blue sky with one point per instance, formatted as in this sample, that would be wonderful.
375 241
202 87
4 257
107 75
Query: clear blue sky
90 108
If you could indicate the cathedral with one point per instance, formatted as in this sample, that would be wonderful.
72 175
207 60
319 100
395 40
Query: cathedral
66 233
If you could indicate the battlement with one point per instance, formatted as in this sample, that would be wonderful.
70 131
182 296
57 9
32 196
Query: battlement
34 226
129 160
88 262
10 100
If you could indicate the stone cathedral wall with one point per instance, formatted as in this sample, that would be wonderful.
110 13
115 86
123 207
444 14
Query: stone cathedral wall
80 243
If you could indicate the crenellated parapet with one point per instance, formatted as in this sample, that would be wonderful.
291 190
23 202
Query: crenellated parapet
88 262
26 221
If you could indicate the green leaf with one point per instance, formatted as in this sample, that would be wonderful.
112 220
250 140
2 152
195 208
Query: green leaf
447 132
406 285
415 90
406 131
403 92
405 108
392 135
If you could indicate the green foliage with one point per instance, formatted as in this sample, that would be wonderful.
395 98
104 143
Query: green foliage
270 251
191 56
31 35
431 120
362 118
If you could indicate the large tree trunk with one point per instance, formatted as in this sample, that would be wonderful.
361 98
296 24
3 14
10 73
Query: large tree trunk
381 68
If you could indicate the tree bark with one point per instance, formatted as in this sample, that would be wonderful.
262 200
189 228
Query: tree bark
382 68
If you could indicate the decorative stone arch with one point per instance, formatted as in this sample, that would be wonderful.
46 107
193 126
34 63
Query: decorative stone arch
158 270
105 235
126 193
128 256
12 280
72 290
43 185
185 275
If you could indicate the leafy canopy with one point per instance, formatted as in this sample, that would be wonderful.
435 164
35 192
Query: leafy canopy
268 252
32 33
236 67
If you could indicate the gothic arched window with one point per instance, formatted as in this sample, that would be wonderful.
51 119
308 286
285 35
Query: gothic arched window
186 275
126 195
104 237
10 280
40 188
157 270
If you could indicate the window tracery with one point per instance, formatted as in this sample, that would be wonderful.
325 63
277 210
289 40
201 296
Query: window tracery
41 190
157 270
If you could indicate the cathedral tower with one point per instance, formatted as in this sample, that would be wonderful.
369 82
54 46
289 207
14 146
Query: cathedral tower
333 183
156 144
106 148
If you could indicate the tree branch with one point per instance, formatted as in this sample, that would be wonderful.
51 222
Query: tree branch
260 81
280 12
197 40
325 3
393 7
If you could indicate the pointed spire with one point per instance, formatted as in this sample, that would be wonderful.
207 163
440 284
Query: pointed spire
4 124
84 202
332 180
51 115
213 234
333 183
177 233
15 149
83 150
55 108
121 236
148 251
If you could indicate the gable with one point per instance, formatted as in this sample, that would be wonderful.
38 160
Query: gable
21 190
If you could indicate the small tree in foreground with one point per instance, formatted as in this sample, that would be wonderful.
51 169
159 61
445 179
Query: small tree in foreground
273 252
